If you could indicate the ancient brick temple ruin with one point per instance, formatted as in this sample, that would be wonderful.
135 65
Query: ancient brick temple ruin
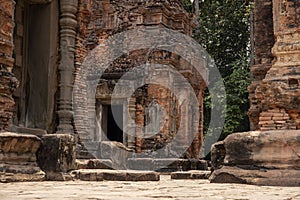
270 153
54 122
44 44
152 87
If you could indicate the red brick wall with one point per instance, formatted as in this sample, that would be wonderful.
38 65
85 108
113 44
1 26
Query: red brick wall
263 43
7 81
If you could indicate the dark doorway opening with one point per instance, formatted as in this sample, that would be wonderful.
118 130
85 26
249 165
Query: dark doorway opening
114 119
36 53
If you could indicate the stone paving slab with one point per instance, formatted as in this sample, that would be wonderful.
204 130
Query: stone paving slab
165 189
193 174
114 175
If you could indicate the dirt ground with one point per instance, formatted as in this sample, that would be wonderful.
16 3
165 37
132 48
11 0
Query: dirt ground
163 189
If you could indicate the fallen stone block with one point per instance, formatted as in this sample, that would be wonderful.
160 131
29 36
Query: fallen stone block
272 177
58 176
193 174
57 156
258 157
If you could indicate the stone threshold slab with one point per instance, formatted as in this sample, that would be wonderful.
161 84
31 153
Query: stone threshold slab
114 175
193 174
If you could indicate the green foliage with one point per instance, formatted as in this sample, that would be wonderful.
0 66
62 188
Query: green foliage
237 97
223 30
236 101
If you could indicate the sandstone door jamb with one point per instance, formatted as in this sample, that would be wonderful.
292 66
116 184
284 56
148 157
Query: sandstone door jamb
68 24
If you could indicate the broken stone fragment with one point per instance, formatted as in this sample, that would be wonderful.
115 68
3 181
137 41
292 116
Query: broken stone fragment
258 157
57 155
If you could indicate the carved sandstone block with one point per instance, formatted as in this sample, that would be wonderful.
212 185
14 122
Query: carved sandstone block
258 157
57 155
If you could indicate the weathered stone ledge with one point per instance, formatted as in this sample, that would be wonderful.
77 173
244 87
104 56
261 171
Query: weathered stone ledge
258 157
114 175
21 177
193 174
256 177
18 158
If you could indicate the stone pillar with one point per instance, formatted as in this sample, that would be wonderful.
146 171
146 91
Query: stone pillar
91 107
201 122
139 120
68 23
131 129
195 126
197 114
183 135
8 82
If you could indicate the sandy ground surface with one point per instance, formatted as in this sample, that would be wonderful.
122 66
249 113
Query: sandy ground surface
163 189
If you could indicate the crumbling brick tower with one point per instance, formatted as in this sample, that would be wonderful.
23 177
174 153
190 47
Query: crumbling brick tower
98 20
275 91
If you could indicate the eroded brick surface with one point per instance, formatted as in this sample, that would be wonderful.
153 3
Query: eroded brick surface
274 93
7 80
100 20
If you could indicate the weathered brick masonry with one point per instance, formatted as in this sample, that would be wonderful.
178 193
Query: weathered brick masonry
100 20
274 94
7 80
44 44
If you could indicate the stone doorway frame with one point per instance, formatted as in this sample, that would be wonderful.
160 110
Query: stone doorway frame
29 63
100 134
